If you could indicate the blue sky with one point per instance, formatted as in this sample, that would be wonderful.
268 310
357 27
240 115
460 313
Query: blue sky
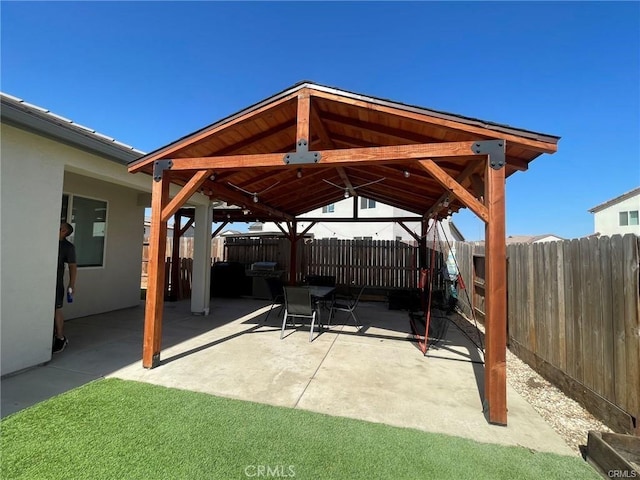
147 73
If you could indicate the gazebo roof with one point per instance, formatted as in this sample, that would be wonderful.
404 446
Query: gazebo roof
342 127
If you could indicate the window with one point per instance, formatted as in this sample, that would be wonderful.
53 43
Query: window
367 203
329 208
629 218
89 220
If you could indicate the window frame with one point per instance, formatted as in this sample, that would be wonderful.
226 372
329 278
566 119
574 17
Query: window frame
331 208
69 218
367 203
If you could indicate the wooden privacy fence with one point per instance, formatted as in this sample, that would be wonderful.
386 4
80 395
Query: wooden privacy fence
376 263
574 315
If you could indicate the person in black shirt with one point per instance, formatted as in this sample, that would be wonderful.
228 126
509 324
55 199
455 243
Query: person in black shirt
66 255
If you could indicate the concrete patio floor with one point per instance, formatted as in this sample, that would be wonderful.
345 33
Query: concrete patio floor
376 375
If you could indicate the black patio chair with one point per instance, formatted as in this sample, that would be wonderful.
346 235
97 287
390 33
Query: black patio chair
276 292
297 304
348 305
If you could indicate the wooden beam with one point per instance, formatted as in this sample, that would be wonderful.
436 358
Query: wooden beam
344 157
347 181
517 164
468 171
185 194
219 229
415 236
496 297
184 229
454 187
154 302
236 198
304 232
282 230
304 110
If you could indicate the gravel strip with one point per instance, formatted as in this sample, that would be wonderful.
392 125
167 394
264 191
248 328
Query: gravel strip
566 416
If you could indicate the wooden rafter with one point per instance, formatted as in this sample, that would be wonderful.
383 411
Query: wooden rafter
478 132
266 135
394 133
207 132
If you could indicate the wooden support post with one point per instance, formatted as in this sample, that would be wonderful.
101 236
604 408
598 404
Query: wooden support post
155 288
174 293
422 245
495 378
293 258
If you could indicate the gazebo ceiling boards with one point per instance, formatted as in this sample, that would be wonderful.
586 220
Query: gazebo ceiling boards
312 145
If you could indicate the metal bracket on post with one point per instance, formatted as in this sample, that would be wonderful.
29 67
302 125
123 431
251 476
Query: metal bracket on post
160 166
495 150
302 154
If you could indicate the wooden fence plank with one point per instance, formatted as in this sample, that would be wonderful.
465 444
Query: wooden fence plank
630 245
606 320
618 323
577 297
586 322
597 336
567 300
561 340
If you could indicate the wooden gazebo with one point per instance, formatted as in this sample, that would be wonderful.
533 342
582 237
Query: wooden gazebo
313 145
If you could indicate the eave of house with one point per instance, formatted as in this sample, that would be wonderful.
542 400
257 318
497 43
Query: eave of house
17 112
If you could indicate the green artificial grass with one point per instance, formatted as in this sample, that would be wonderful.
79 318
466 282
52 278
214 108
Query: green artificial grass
115 429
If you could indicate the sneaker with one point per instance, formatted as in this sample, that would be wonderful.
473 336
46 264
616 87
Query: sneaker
59 344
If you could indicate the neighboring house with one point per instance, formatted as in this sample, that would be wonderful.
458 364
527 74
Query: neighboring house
547 237
366 208
53 169
618 215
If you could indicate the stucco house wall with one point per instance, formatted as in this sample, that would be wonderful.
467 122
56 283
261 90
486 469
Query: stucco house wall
35 172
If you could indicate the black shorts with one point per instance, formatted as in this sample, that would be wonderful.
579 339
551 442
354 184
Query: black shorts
59 295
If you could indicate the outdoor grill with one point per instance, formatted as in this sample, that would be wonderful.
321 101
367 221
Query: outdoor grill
259 272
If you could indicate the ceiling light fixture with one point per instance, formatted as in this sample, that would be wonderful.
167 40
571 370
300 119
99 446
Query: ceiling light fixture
212 177
406 174
253 194
299 173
